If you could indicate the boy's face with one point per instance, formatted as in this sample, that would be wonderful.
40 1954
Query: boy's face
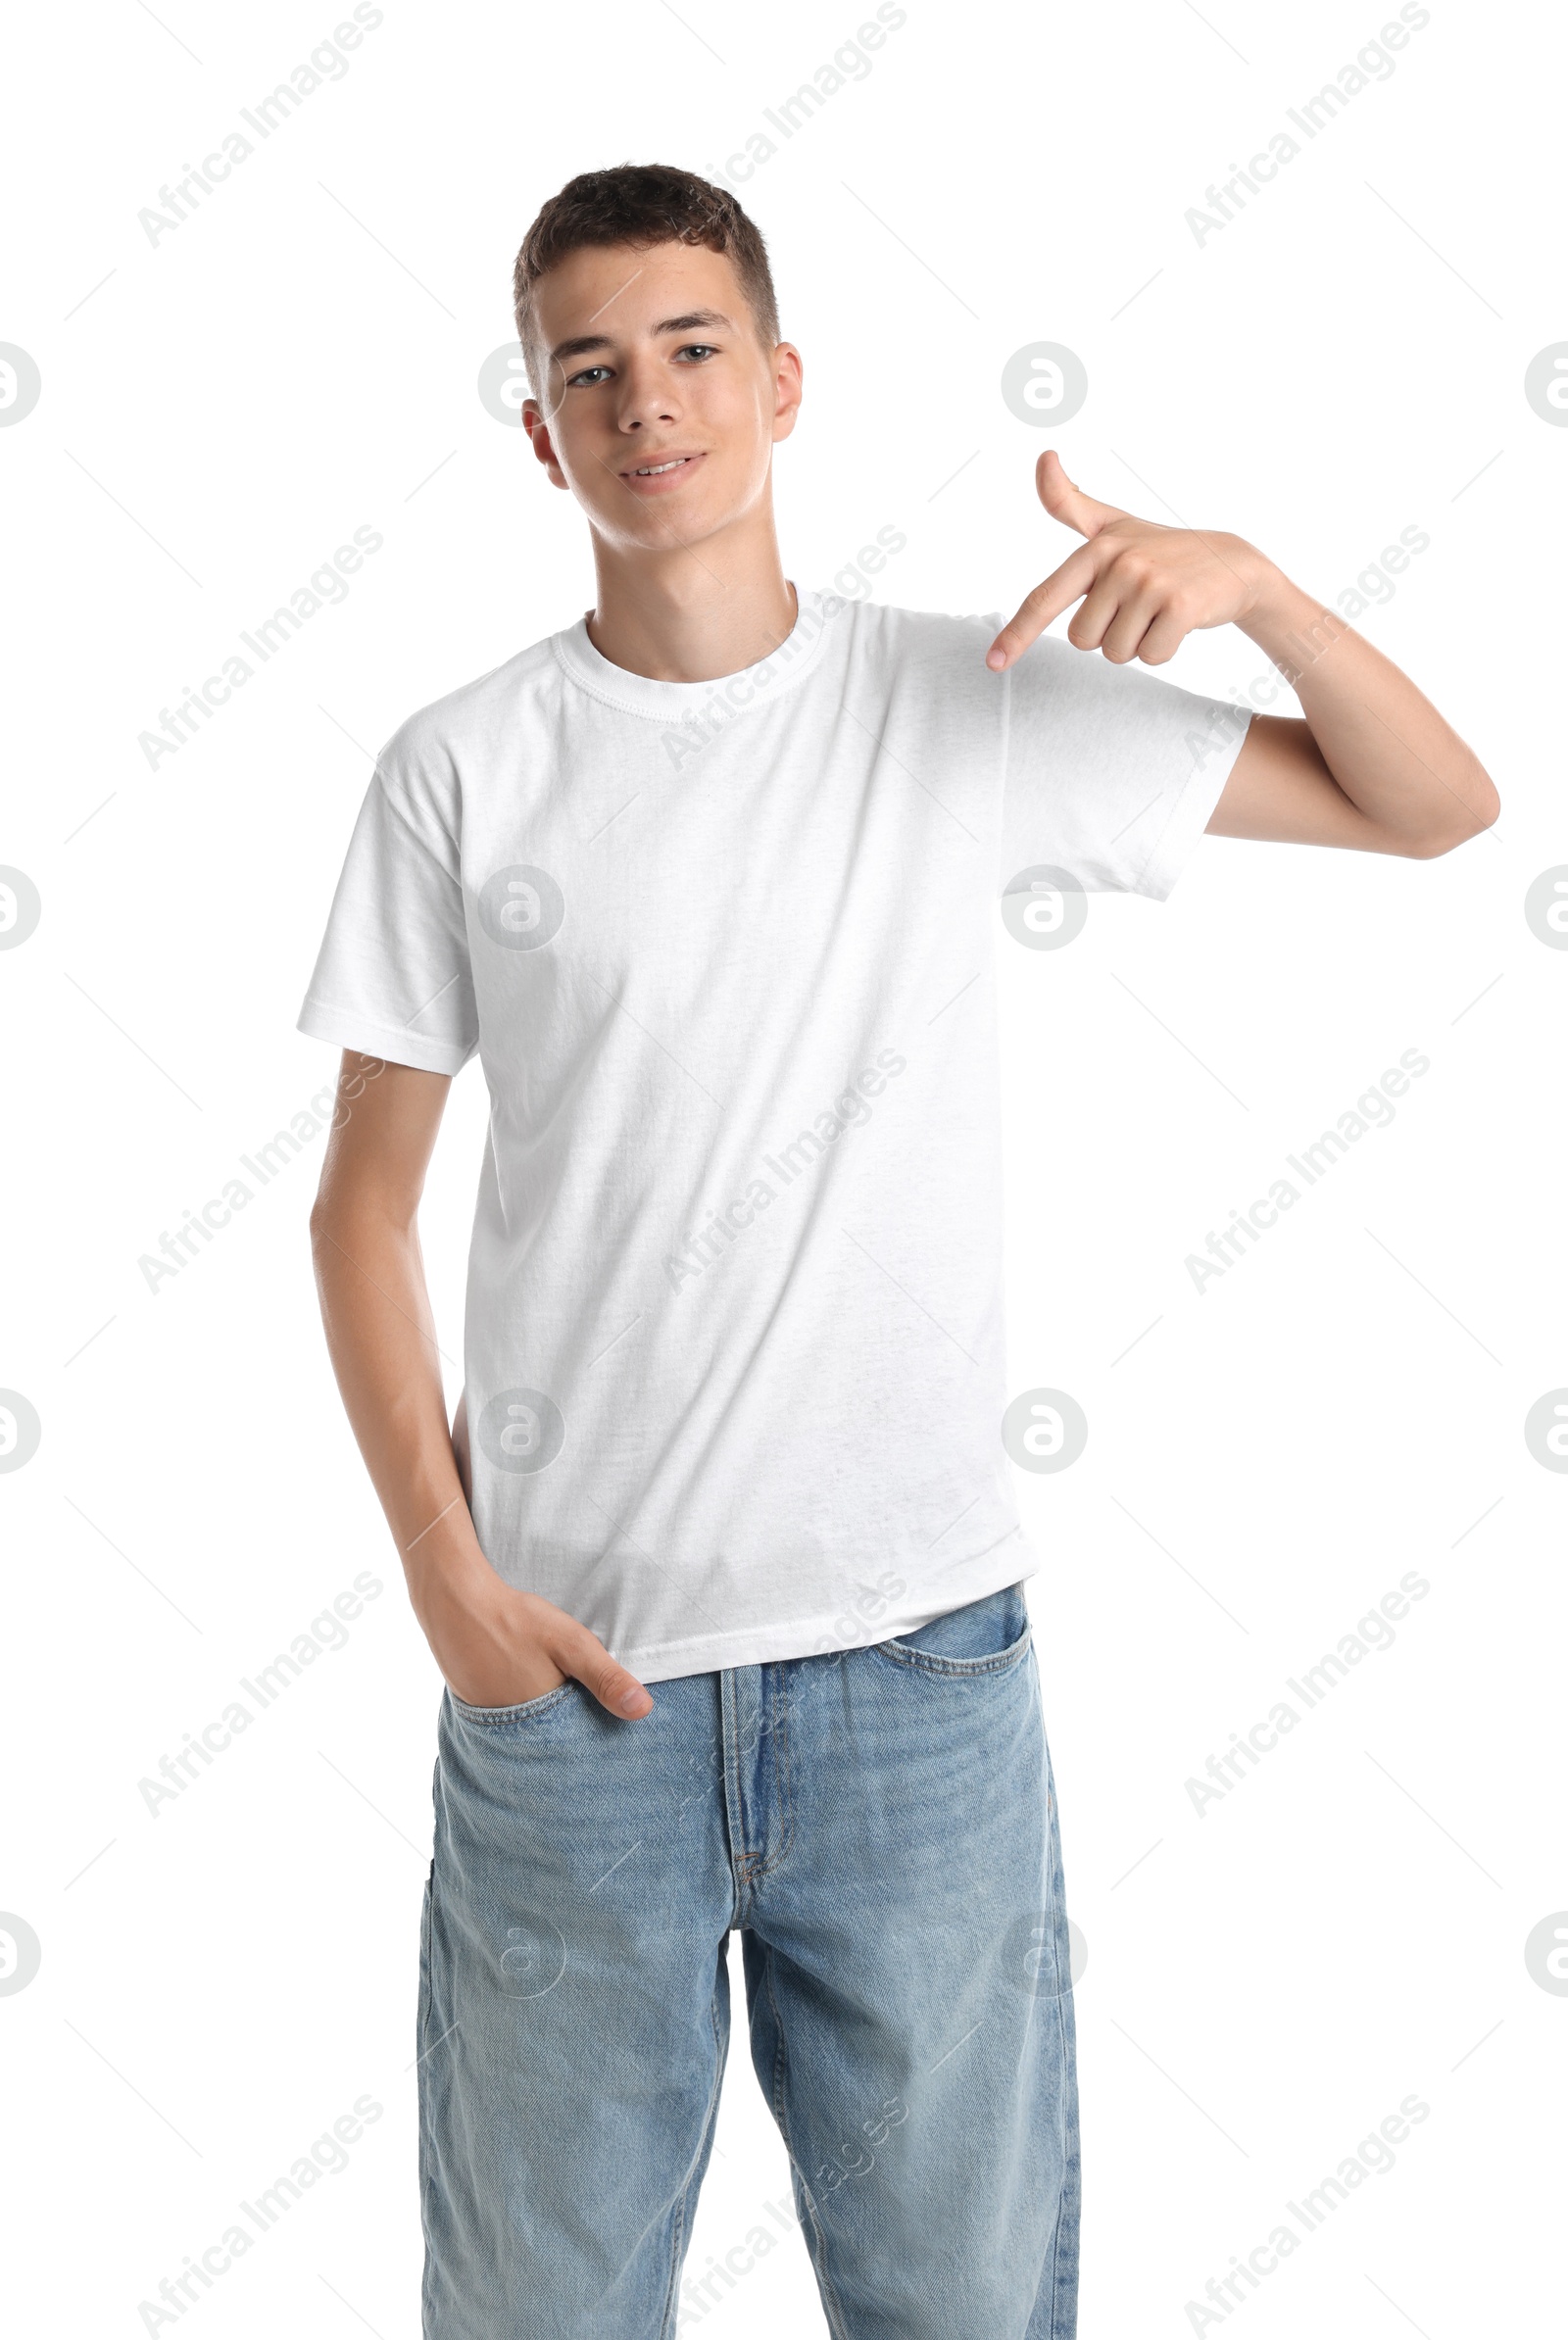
649 357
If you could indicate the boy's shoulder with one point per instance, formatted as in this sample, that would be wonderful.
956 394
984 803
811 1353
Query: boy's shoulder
928 656
909 647
895 619
483 706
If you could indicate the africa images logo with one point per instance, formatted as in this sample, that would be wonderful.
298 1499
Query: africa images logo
521 907
521 1431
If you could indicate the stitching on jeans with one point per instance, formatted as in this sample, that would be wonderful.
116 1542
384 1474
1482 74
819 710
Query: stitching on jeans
741 1861
501 1718
1061 2042
1062 2206
421 2023
1056 1884
781 1770
426 2162
923 1661
666 2326
831 2304
736 1819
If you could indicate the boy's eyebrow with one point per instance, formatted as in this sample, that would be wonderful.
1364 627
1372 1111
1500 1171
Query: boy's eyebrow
695 320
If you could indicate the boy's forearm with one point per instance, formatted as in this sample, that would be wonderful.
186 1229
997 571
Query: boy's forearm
496 1645
380 1335
1389 751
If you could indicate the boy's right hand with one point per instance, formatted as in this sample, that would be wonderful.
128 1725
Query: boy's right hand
497 1646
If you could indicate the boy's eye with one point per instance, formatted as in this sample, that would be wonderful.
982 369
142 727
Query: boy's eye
697 350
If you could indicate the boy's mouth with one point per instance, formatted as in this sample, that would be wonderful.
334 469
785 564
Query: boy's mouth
661 473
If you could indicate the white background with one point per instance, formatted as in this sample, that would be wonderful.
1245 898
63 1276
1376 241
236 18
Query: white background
220 411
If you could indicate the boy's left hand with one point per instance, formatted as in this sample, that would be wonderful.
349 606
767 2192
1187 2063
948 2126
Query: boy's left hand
1145 586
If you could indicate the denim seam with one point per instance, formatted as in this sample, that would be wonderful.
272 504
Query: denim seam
744 1863
781 1772
1061 2200
502 1717
1061 2203
666 2323
421 2022
1060 2048
1053 1855
923 1661
426 2140
735 1814
831 2304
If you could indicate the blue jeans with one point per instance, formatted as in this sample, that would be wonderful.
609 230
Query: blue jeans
881 1825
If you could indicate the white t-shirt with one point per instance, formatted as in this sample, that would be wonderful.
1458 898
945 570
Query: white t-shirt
733 1361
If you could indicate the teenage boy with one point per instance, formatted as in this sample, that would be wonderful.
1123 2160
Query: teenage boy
709 880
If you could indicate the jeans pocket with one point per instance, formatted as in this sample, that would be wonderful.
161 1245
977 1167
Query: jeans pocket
990 1636
500 1718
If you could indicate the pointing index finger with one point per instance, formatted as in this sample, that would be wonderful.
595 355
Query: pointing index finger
1037 609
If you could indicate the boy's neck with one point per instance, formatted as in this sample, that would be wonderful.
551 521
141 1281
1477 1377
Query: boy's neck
692 615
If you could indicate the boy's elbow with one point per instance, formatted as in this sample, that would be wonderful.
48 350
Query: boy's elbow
1478 811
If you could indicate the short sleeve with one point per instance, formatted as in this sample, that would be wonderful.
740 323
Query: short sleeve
392 977
1111 773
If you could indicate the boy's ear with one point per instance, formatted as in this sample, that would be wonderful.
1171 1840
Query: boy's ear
538 430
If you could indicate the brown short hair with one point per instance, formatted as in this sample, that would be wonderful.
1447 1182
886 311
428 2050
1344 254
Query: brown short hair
641 203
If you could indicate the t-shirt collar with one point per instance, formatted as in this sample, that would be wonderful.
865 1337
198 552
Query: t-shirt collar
679 702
